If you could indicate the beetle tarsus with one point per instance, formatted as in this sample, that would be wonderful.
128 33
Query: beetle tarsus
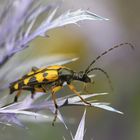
55 117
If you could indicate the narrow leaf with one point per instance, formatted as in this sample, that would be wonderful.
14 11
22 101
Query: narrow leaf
81 129
106 107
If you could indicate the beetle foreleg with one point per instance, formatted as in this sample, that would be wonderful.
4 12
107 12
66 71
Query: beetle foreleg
85 88
72 88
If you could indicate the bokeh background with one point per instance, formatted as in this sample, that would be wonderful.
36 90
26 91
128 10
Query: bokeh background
87 42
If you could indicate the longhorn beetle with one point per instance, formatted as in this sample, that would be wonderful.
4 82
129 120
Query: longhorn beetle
53 77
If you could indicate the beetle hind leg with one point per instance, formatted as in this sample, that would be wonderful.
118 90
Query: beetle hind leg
32 93
17 95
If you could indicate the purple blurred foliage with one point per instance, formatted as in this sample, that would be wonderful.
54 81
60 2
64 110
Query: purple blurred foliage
16 25
17 20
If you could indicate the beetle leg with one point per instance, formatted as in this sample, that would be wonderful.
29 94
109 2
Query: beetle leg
72 88
32 93
17 95
43 88
31 89
54 90
85 88
56 108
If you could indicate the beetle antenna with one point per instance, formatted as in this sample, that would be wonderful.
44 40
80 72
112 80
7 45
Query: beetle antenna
105 73
98 57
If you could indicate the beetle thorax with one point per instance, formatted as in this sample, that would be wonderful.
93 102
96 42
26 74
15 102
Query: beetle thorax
66 74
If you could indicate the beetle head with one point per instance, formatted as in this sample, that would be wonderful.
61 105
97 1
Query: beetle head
84 77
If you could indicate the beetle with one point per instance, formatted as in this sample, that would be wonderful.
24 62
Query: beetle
53 78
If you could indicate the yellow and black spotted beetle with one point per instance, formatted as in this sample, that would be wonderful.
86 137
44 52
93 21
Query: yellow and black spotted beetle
53 77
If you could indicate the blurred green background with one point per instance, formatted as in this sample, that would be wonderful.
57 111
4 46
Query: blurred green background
86 42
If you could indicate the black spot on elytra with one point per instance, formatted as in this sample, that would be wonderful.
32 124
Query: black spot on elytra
45 74
33 79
